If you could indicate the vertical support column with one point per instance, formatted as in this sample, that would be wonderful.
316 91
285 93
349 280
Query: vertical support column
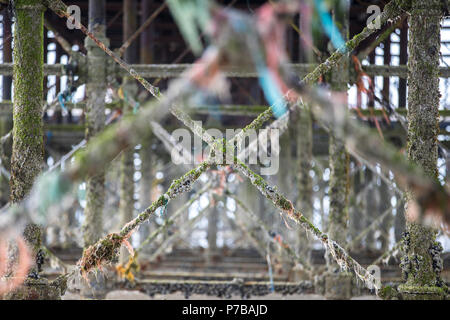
422 264
28 136
338 286
95 119
28 145
95 122
28 141
304 180
126 208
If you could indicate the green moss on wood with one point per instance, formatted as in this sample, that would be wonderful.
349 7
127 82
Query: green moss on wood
28 143
420 265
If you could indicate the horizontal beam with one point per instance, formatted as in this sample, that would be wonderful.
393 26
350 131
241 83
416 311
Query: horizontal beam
6 69
175 70
397 71
300 69
224 110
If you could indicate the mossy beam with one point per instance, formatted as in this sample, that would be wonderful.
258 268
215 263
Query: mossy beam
422 264
57 69
230 110
107 145
175 71
28 136
338 253
28 142
177 187
254 125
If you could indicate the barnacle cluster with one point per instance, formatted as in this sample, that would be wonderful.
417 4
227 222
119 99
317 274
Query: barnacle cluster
435 251
405 263
226 290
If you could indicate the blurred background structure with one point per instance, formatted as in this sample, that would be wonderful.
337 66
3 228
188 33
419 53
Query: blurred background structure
224 234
